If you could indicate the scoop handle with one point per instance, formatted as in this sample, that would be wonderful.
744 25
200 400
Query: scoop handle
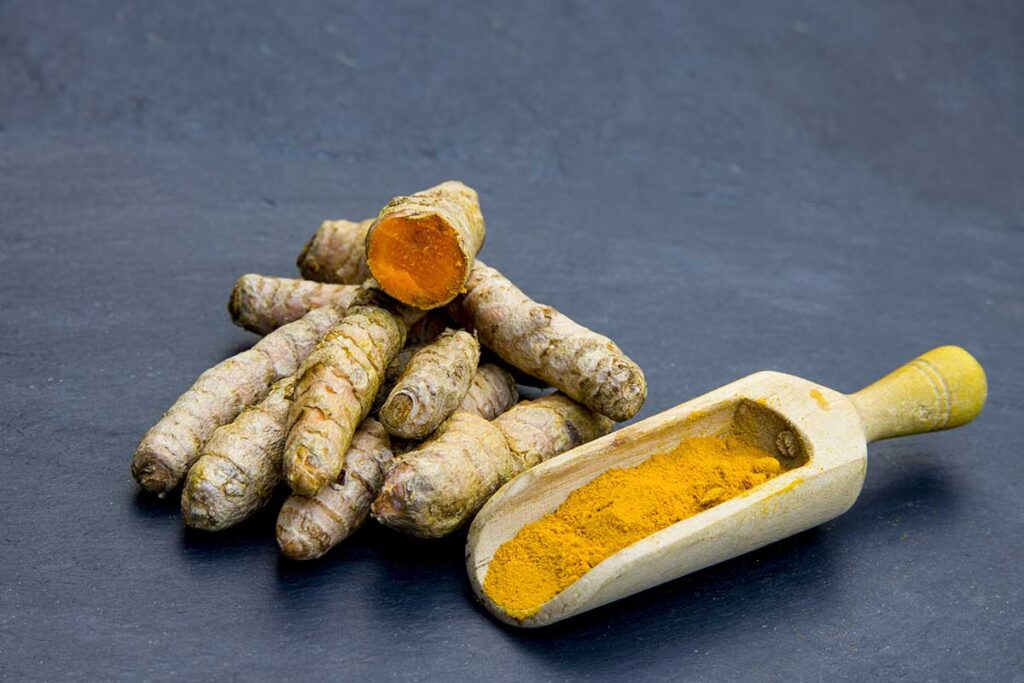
941 389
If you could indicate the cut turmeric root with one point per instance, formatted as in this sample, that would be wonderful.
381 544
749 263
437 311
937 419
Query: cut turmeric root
261 303
421 247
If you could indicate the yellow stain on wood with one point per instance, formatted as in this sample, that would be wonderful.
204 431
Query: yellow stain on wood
790 486
771 504
820 398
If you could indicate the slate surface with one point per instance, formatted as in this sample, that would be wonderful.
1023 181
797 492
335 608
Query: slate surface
826 189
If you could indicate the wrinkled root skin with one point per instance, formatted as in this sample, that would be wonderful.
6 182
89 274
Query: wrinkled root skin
335 391
151 471
170 447
421 247
308 527
240 465
544 343
261 304
336 253
437 488
492 392
432 385
392 373
545 427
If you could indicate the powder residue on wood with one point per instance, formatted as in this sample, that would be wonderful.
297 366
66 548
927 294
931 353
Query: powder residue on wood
617 509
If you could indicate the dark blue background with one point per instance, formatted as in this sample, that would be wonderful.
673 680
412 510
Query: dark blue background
826 189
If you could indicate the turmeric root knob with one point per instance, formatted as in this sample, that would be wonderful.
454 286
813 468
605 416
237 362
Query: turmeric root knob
240 465
261 303
492 393
432 385
336 253
308 527
421 247
391 374
432 490
587 366
539 429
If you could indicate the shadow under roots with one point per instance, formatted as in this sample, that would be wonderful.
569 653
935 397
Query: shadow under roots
403 557
254 535
147 505
389 576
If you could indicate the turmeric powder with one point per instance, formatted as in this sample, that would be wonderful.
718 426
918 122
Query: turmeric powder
617 509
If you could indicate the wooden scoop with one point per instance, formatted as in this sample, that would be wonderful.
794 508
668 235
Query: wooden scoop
819 436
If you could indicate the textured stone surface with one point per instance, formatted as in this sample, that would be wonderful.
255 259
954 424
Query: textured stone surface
826 189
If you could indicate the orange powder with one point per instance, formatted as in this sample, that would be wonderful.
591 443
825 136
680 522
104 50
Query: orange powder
617 509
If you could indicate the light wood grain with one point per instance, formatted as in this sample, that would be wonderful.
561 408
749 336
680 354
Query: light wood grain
819 435
941 389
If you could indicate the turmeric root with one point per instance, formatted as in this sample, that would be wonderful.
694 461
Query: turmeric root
171 446
334 391
261 303
542 428
492 392
421 247
537 339
392 373
432 385
310 526
435 489
240 465
336 253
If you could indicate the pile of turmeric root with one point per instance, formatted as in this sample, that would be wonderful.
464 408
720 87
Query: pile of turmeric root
385 385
